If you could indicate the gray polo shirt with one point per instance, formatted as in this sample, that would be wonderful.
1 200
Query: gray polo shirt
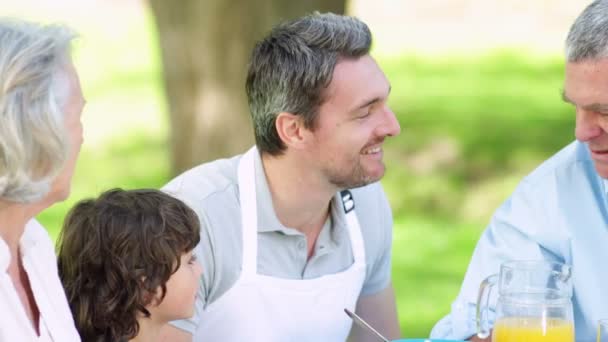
211 189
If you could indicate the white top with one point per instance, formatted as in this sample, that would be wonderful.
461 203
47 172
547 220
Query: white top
40 264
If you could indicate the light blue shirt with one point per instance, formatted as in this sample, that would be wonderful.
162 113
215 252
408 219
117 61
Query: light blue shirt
558 213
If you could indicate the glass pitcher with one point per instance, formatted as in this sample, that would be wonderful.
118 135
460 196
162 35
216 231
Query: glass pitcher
533 303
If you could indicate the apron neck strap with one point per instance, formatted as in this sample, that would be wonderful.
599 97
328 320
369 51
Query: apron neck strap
249 211
354 229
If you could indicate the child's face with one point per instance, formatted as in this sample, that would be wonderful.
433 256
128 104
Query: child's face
181 291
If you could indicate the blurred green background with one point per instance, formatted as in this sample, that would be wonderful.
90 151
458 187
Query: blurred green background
474 121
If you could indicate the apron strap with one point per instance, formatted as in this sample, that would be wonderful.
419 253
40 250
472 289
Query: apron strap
249 212
354 229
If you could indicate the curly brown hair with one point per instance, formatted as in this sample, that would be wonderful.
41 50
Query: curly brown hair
115 252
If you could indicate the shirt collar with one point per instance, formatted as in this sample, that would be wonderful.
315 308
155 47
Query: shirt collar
267 218
338 217
605 181
30 238
32 234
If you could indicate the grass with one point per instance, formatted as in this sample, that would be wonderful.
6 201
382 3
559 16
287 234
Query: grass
471 128
428 260
467 140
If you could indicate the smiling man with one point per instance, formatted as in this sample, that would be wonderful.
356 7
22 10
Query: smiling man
298 228
559 212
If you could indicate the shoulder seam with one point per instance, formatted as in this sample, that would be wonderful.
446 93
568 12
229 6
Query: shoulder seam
220 190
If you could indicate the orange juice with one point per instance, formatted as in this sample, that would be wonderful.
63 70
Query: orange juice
528 329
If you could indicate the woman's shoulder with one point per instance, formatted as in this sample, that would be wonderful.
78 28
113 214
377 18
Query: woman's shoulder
36 246
35 236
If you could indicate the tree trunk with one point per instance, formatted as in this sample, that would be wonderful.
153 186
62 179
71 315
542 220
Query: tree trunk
205 47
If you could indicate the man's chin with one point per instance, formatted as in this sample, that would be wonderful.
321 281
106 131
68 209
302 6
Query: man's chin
369 179
353 183
359 177
376 174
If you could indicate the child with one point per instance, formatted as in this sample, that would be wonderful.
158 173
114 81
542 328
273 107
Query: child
126 262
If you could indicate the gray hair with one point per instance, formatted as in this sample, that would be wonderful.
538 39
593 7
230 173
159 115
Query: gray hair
33 93
293 65
588 36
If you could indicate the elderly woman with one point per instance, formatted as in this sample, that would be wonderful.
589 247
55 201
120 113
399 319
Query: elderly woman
40 137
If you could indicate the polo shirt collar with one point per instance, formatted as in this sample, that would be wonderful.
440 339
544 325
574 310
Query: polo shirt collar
338 217
267 218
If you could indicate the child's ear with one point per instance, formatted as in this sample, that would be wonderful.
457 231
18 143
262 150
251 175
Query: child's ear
150 298
151 301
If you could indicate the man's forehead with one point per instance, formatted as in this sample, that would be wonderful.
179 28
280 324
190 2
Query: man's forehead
356 76
586 82
587 66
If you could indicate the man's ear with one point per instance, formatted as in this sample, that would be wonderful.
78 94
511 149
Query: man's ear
291 130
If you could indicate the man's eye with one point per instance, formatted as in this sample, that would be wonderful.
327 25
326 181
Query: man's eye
365 115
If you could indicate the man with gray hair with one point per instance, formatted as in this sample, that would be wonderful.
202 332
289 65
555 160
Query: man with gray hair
558 213
298 228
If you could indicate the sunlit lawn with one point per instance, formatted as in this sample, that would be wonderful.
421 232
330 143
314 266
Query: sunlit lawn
471 127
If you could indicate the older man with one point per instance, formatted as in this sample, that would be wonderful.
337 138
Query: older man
559 212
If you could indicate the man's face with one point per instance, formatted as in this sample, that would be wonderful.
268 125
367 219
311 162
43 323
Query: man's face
586 87
352 124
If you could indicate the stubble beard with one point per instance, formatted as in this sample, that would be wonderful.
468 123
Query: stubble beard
356 178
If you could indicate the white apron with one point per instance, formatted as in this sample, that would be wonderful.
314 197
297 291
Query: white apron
267 309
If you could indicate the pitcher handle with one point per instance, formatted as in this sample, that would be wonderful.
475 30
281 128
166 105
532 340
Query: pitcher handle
485 290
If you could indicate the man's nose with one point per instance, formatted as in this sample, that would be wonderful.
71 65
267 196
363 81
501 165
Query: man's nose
587 126
390 125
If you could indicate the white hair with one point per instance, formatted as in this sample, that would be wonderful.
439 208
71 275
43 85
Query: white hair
33 93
